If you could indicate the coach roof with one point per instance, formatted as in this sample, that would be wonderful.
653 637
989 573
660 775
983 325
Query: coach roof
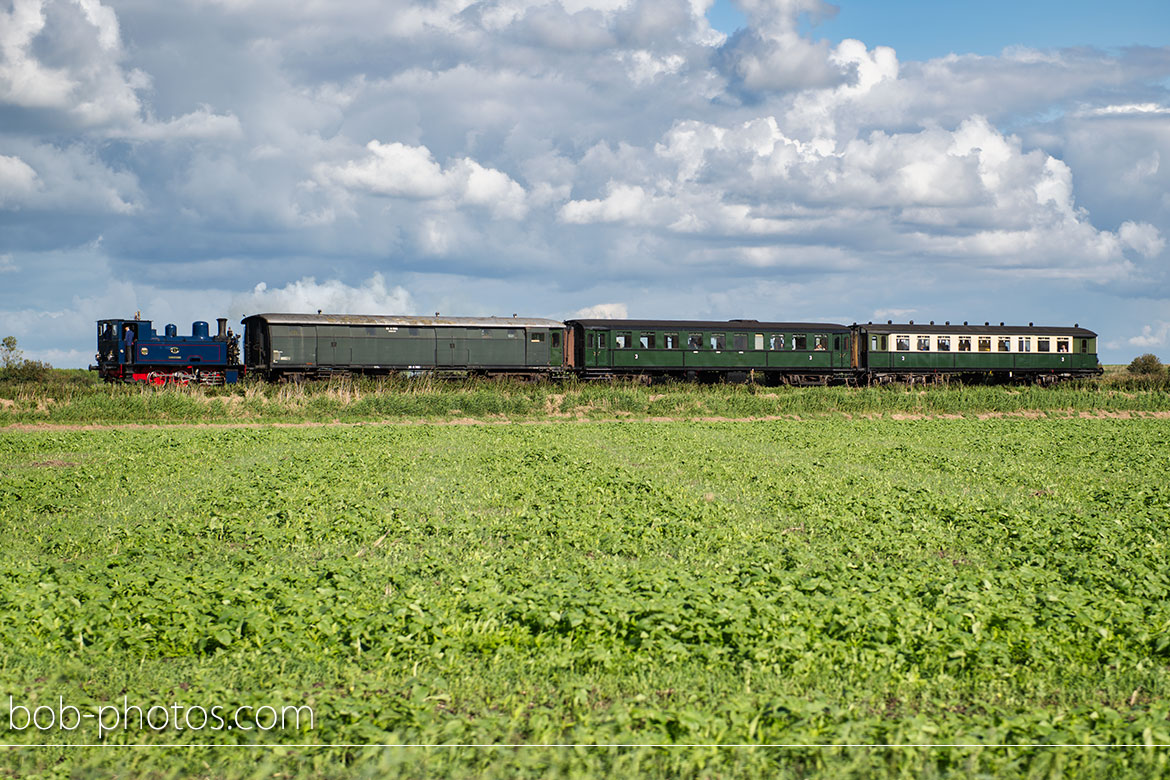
741 325
402 321
986 330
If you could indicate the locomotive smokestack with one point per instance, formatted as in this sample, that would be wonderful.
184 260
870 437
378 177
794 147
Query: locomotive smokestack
222 327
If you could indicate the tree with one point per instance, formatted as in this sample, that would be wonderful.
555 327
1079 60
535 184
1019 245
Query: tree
1146 364
10 356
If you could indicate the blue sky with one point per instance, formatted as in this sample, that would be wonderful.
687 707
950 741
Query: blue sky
926 29
204 158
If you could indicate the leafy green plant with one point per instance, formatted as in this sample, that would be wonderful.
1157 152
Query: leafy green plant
838 581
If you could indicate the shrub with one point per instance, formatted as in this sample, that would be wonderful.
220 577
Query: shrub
1146 364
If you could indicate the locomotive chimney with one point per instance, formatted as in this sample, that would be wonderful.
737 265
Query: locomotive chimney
222 327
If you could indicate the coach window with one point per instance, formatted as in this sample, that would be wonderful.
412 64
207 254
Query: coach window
537 338
759 341
513 333
1024 344
944 343
985 343
1042 345
695 341
902 343
414 331
800 341
556 339
718 341
1004 344
485 333
777 341
601 341
820 343
739 341
964 343
646 340
1062 345
621 341
1084 346
670 341
924 343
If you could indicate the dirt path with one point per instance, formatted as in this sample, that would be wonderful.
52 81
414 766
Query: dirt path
562 419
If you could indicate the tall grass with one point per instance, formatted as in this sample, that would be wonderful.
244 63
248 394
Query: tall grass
428 398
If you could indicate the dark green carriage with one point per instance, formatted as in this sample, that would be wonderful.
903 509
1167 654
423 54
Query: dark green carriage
695 349
308 345
901 351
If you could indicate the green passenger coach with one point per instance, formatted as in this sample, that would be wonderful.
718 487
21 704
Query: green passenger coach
908 351
300 346
768 352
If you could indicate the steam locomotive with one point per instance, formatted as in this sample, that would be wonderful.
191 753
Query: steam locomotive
293 347
130 350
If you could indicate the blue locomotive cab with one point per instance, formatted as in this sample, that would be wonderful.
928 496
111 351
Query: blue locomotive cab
133 351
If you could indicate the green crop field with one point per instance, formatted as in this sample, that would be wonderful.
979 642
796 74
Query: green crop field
985 596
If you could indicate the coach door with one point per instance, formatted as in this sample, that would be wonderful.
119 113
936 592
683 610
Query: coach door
333 345
450 346
537 354
556 348
596 349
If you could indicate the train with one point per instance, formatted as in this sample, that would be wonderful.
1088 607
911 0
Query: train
295 347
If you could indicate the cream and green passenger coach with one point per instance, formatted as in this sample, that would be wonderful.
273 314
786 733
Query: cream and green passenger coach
899 351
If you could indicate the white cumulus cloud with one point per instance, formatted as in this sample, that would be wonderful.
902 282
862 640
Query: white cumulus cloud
400 170
602 311
1156 335
307 295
